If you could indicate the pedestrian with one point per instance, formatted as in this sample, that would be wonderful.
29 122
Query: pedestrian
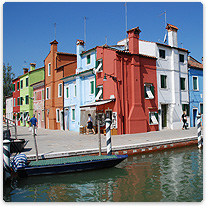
33 121
184 120
90 124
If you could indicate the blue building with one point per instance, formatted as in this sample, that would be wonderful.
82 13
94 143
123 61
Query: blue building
79 89
195 89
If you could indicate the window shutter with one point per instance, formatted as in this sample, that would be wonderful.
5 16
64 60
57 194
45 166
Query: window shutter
145 93
152 89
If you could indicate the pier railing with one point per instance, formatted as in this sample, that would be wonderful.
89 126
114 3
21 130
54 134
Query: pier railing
9 124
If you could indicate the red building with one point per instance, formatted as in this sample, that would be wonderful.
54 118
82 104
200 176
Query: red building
132 84
16 100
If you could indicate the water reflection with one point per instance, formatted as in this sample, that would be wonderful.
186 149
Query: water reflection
174 175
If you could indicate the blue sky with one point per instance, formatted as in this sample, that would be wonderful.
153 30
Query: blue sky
28 28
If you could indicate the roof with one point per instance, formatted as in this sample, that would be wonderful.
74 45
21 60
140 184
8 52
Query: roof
66 65
40 83
171 27
100 102
192 62
64 53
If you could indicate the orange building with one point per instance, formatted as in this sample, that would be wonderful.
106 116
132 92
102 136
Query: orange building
57 65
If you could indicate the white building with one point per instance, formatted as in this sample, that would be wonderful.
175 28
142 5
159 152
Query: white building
9 107
172 78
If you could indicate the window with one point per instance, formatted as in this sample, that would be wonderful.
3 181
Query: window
99 66
47 93
88 59
182 83
67 92
75 90
42 117
195 83
21 84
185 107
13 87
21 100
18 101
27 82
99 93
201 108
27 99
57 115
153 118
42 94
163 81
73 114
181 58
60 90
18 86
162 53
35 96
49 69
148 91
92 87
14 102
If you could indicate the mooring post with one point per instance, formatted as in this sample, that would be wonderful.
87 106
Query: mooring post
35 144
199 131
15 128
98 122
108 136
6 159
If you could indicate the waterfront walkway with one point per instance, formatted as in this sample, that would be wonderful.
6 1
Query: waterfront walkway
57 143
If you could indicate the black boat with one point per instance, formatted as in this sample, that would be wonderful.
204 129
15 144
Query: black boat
69 164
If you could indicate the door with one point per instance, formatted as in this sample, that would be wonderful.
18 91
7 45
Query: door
62 120
194 117
39 120
164 115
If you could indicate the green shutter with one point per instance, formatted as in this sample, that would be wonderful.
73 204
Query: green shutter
13 87
67 92
156 115
92 87
195 83
145 93
201 108
152 89
17 85
88 59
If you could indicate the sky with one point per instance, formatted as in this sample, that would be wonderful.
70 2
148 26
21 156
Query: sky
28 28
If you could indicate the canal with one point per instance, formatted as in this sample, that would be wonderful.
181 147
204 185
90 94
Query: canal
165 176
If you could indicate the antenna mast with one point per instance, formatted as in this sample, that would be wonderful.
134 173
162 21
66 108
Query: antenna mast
126 16
55 30
85 31
165 13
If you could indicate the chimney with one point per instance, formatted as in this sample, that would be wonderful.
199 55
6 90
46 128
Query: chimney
79 50
172 35
54 46
25 70
32 66
133 36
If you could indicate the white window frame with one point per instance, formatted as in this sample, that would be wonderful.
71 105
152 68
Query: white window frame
47 93
59 86
49 69
148 89
67 87
57 115
193 83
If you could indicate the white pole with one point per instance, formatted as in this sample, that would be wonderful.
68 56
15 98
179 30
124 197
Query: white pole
35 144
199 131
6 158
108 137
100 152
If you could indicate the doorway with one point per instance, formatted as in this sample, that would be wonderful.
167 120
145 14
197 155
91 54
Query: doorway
62 120
39 120
164 108
194 117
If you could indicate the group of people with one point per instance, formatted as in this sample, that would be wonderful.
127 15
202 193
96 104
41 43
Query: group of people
184 120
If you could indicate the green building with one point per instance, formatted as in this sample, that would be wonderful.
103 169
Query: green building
26 92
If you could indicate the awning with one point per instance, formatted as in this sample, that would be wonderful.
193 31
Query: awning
94 104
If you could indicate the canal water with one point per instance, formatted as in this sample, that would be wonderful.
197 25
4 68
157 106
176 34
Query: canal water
169 175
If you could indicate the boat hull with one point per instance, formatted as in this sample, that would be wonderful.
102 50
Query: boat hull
70 167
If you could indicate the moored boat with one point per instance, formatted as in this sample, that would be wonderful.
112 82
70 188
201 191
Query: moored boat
69 164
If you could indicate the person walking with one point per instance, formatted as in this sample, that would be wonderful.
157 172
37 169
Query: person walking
33 121
184 120
90 124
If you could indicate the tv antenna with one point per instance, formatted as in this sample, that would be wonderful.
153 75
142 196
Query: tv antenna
165 13
125 5
85 18
55 29
24 64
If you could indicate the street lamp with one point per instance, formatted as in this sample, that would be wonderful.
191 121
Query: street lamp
113 78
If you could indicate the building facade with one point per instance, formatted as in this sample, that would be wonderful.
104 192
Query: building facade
57 64
9 107
16 100
195 70
79 89
172 78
